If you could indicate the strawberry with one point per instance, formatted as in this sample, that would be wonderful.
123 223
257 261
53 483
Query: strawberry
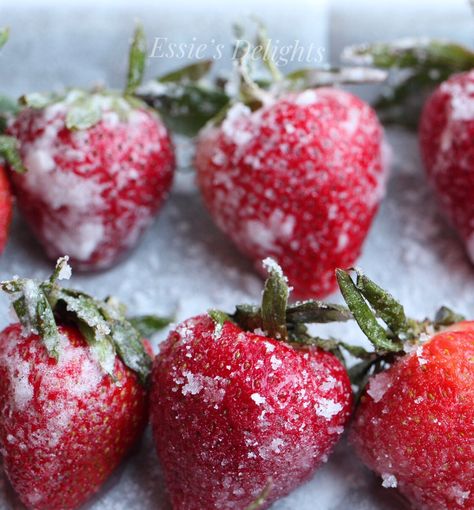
297 176
9 153
100 165
414 425
245 407
446 128
72 396
6 205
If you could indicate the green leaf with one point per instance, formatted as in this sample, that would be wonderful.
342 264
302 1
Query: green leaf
148 325
364 316
83 114
426 63
383 303
46 325
357 351
304 79
187 108
188 74
447 317
36 100
84 311
9 151
136 60
128 343
248 317
317 312
412 53
274 301
34 311
8 108
219 317
4 34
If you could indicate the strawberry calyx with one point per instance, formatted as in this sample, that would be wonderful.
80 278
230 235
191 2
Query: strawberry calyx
42 306
276 318
383 321
188 98
85 108
416 66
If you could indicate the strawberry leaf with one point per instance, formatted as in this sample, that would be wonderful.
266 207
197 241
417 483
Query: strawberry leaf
274 302
425 63
128 343
447 317
188 74
363 314
136 60
148 325
317 312
304 79
186 108
83 114
37 100
385 305
9 151
4 34
8 107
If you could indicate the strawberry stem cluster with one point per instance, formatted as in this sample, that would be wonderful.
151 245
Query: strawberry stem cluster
383 321
278 319
42 306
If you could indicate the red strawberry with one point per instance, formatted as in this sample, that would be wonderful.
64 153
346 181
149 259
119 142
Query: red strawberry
237 413
6 204
8 152
99 166
446 134
70 408
414 425
299 179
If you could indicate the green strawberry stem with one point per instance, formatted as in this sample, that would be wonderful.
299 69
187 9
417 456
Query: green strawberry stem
136 60
42 306
278 319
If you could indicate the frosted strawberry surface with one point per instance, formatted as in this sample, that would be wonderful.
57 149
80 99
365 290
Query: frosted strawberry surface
232 410
299 180
92 192
410 250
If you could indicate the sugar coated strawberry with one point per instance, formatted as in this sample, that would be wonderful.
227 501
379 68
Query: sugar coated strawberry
299 179
6 204
100 165
414 425
72 396
446 129
8 154
245 407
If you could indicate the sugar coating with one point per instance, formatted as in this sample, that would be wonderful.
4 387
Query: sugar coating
229 413
90 193
298 180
